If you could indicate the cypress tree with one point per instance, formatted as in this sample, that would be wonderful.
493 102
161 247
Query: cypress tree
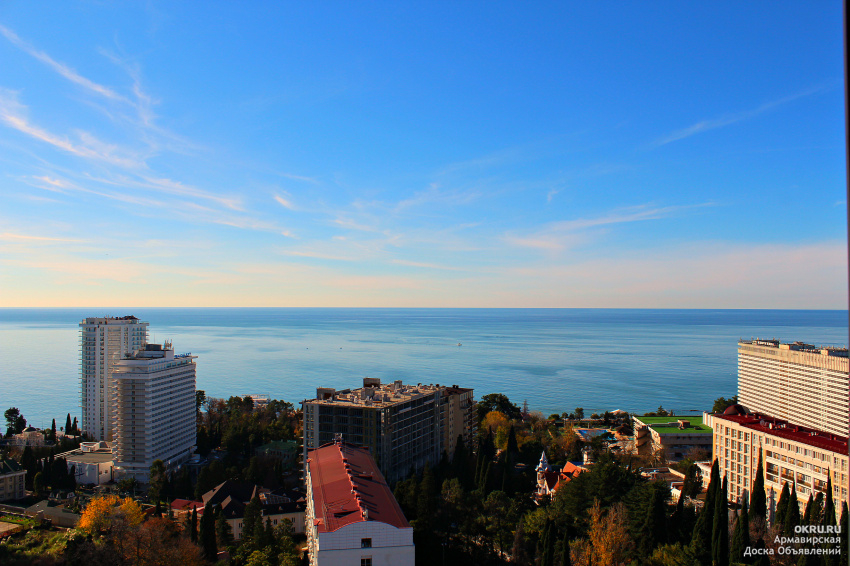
741 537
513 447
829 506
207 535
223 532
817 510
761 559
654 528
758 498
53 431
720 530
792 513
701 541
193 526
782 505
547 545
807 515
75 427
565 555
68 424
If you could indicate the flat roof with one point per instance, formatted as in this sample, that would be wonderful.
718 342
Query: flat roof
657 424
782 429
97 457
348 488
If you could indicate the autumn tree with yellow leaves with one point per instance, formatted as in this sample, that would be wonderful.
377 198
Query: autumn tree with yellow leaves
110 513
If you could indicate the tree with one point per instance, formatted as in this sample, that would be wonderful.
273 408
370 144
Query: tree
207 535
792 513
608 535
38 483
75 427
108 513
157 480
741 536
653 529
693 482
782 504
720 532
721 404
223 532
193 525
253 516
497 402
828 517
513 447
758 498
53 431
579 412
68 424
701 541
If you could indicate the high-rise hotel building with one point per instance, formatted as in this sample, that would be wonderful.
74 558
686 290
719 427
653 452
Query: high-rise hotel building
793 408
153 414
404 426
798 383
104 341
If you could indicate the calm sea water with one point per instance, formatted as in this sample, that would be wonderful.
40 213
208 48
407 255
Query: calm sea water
556 359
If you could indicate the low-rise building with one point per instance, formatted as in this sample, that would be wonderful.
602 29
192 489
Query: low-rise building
550 479
12 480
791 454
231 497
352 516
91 463
284 451
674 438
30 436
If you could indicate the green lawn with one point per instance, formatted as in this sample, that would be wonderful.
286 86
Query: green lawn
695 420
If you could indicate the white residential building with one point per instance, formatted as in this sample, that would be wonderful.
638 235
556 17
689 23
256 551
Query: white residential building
799 383
154 410
91 463
103 341
352 516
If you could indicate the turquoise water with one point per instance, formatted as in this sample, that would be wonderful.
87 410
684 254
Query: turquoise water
556 359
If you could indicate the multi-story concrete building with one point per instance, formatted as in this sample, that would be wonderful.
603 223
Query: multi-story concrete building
799 383
352 516
104 341
405 427
92 463
791 453
154 410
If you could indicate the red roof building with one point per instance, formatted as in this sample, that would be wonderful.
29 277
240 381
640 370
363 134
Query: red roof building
351 512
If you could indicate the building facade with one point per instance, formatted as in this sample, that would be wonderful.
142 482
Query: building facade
91 463
12 478
791 454
352 516
154 410
798 383
673 438
104 341
405 427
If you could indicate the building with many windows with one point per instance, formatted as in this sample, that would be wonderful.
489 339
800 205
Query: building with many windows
12 478
404 426
104 341
154 410
791 453
352 516
798 383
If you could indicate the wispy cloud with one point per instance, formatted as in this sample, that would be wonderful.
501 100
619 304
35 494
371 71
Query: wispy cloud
60 68
551 194
433 195
8 236
13 114
557 236
728 119
284 202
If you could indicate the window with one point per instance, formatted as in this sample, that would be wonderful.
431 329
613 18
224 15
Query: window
366 561
365 543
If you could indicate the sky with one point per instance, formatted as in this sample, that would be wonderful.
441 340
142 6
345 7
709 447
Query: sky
431 154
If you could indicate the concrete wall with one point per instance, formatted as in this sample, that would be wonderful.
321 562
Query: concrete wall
390 546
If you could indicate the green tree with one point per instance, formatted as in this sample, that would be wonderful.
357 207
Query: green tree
512 447
782 504
157 480
792 513
68 424
720 531
579 413
653 529
721 404
758 498
253 516
223 532
38 483
497 402
741 536
828 517
566 560
207 535
193 526
701 541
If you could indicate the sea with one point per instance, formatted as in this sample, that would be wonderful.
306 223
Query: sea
554 359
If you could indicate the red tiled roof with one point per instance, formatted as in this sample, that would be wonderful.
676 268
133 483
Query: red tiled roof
181 504
348 488
783 429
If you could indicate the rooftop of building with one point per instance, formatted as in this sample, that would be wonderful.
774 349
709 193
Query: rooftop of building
373 393
106 319
9 466
837 351
783 429
670 424
90 453
348 488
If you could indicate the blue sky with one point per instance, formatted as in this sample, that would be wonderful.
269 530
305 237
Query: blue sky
457 154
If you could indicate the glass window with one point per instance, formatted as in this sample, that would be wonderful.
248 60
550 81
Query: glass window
365 543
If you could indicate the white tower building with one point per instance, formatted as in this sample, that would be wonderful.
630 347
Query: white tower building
103 341
154 410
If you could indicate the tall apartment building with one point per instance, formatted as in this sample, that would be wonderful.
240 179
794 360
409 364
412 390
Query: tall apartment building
404 426
799 383
104 341
154 409
791 453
